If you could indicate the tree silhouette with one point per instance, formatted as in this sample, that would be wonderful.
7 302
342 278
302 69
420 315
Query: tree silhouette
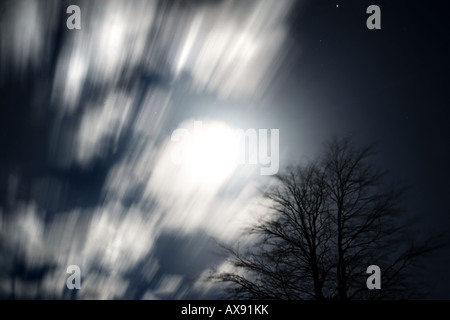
330 219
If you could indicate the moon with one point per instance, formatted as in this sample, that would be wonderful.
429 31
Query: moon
211 152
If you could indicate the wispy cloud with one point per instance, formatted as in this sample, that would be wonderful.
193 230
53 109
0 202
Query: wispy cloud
26 35
112 90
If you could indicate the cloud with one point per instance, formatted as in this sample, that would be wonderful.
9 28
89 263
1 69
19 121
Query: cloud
111 238
26 35
166 286
111 43
231 49
103 87
101 127
23 230
118 238
71 72
187 202
122 232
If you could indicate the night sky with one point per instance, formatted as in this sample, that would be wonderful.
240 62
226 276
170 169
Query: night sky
86 119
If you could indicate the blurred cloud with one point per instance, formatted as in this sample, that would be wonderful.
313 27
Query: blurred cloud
26 34
119 238
231 49
24 231
167 285
112 87
101 127
191 202
71 72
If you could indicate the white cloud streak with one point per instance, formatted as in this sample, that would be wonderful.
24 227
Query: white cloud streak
228 50
26 35
101 127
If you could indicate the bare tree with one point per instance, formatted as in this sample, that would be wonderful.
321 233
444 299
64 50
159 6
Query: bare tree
330 220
